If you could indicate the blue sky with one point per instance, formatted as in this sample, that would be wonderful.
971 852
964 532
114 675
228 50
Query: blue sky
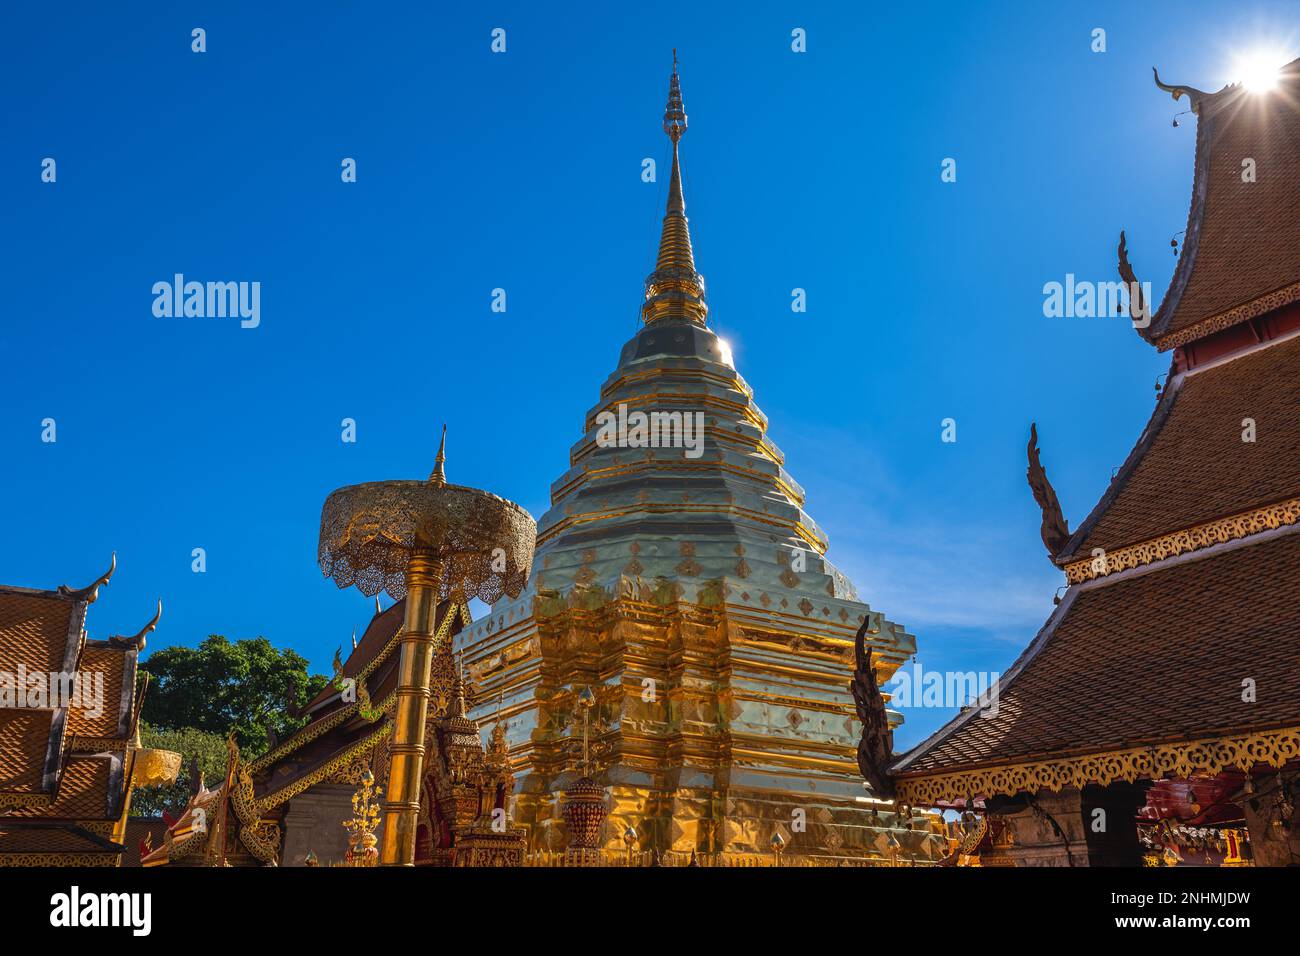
521 171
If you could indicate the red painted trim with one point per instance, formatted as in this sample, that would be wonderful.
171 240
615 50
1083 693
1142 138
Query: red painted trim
1238 338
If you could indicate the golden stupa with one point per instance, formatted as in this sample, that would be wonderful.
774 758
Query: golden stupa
687 587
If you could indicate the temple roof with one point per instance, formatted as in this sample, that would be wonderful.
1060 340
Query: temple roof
379 632
1191 466
1147 656
64 760
62 839
336 728
1240 255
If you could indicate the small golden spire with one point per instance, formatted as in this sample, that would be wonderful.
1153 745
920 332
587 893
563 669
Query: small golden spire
498 751
675 290
439 475
459 708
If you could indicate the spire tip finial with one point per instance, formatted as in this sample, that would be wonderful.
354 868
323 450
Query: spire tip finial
675 290
674 112
439 474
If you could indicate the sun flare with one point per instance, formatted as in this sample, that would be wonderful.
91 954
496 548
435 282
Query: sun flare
1257 70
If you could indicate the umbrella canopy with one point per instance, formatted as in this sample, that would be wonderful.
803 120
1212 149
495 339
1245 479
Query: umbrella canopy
481 545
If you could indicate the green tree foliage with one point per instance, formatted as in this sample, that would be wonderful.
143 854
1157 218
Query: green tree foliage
208 749
247 686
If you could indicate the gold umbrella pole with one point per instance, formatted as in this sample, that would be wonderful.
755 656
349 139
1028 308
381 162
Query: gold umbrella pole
406 761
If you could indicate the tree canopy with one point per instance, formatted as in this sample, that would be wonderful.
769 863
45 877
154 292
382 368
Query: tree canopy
248 686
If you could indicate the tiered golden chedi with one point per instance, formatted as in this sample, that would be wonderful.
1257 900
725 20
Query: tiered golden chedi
678 576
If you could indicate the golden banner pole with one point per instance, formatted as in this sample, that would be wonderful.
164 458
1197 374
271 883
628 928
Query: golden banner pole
406 752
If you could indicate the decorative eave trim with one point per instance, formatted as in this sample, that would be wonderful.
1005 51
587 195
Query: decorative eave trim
1237 314
107 858
8 800
324 771
1210 755
96 745
1205 535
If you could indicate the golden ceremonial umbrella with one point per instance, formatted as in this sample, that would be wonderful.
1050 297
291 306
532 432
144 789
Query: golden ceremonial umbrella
425 541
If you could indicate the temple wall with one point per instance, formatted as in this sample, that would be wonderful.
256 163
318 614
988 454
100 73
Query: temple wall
314 823
1035 841
1272 844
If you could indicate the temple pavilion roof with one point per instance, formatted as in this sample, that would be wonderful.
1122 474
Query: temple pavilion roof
1190 466
64 768
1173 651
1240 255
1129 662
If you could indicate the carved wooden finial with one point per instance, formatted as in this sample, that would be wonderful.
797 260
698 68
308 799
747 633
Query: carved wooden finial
1055 530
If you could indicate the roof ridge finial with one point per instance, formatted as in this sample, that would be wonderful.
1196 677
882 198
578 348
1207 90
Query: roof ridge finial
675 290
439 474
137 640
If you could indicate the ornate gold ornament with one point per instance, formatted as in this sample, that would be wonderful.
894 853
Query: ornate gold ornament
25 800
362 841
96 745
470 541
1267 518
1181 759
425 541
261 838
59 859
154 768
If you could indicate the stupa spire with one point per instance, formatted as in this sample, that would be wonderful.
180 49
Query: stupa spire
675 290
439 474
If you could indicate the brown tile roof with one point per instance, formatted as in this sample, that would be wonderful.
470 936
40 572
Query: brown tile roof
24 749
117 667
90 788
1191 466
1154 657
52 839
34 631
1243 238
